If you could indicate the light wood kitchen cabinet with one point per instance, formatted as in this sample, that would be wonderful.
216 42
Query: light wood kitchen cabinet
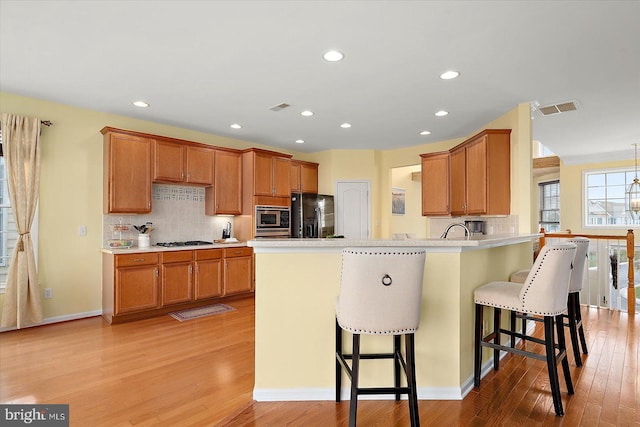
177 277
208 273
304 177
180 162
238 270
435 183
127 172
269 172
479 176
225 197
135 283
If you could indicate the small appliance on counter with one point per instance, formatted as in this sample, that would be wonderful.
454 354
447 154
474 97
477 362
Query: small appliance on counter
475 227
226 231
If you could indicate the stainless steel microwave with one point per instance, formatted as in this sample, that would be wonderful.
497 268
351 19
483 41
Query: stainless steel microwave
272 221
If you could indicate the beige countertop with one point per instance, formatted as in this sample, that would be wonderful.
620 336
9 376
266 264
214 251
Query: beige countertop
137 250
434 245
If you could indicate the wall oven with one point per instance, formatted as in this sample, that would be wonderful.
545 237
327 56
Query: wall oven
272 221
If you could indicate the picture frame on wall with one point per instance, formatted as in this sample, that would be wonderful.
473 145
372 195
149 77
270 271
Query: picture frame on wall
398 201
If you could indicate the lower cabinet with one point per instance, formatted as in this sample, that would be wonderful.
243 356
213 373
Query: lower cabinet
177 277
208 267
238 271
143 285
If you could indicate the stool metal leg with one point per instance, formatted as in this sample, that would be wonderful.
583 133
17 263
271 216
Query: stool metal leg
573 330
562 348
396 363
549 342
512 328
355 368
338 365
583 341
496 330
477 347
411 381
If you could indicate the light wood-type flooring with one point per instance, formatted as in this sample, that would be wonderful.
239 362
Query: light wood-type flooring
200 373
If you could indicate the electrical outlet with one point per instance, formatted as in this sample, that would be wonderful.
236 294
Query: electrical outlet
82 230
48 293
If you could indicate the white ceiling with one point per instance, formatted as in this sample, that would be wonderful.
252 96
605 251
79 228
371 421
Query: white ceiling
203 65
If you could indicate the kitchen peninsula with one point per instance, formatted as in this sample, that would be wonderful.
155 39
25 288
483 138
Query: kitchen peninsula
298 280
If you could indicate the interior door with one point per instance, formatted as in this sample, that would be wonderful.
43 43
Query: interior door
352 207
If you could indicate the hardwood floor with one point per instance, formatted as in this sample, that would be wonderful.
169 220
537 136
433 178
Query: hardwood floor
200 373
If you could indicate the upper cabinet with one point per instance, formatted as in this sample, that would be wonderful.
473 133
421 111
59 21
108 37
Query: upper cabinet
304 177
225 197
435 183
178 162
127 172
268 173
479 176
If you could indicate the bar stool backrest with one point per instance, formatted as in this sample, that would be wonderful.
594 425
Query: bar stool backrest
545 290
380 290
577 274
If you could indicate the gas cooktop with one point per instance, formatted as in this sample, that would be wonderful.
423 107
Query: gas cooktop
187 243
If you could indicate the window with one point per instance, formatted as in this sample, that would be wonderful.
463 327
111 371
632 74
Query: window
549 206
605 203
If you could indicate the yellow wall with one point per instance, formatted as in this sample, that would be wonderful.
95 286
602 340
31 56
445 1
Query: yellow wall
571 197
412 221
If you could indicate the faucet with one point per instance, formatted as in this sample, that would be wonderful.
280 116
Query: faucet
467 233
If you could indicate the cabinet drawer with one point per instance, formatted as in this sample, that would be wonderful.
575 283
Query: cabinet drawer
176 256
208 254
237 252
136 259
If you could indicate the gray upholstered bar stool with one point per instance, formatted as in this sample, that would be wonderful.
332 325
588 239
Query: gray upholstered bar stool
544 293
380 294
573 315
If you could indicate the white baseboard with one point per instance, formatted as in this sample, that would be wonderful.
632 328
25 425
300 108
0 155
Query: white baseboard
58 319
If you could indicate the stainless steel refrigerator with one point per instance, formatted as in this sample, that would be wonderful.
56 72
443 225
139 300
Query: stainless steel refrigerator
311 215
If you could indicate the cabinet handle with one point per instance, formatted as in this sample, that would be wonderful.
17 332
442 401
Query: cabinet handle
149 205
138 260
156 272
181 175
190 269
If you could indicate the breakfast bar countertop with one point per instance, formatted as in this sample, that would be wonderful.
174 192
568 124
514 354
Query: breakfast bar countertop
439 245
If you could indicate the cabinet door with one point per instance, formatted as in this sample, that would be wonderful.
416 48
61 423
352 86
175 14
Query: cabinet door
237 275
309 178
435 184
295 177
177 285
208 278
200 165
458 181
476 179
228 183
263 175
136 289
127 174
168 161
281 177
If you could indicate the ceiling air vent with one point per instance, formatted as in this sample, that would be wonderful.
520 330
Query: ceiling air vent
563 107
279 107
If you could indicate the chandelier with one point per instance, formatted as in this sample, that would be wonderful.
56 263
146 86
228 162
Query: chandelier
634 191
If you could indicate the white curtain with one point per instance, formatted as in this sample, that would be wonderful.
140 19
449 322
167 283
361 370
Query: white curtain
21 148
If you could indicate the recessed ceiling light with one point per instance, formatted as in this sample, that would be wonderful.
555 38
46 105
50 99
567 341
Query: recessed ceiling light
448 75
141 104
345 125
425 132
333 56
307 113
442 113
236 126
299 141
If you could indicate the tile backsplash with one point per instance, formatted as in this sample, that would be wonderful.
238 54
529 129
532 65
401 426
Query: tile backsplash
178 215
493 225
